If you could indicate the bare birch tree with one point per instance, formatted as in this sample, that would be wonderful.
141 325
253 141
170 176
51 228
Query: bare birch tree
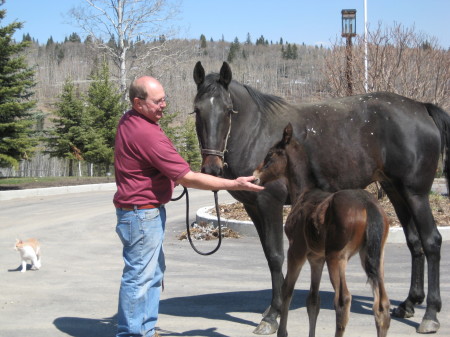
400 61
126 30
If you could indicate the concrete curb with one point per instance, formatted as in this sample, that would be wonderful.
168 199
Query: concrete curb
38 192
247 228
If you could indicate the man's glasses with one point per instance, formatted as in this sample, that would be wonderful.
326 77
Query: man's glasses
158 102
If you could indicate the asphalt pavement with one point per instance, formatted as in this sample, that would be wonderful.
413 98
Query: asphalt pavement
75 292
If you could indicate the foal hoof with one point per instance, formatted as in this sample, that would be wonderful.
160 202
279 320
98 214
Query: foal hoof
266 328
400 312
428 326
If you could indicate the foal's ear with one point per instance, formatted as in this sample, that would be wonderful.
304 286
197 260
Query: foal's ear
287 134
225 75
199 73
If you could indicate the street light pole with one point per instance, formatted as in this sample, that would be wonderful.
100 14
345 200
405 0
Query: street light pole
348 31
366 66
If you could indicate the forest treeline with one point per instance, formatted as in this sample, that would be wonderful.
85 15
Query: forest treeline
71 78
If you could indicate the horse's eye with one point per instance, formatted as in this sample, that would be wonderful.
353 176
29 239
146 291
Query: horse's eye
268 159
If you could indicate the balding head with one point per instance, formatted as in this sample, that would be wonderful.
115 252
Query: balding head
147 97
143 86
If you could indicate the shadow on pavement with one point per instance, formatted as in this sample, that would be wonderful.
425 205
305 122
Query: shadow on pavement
218 306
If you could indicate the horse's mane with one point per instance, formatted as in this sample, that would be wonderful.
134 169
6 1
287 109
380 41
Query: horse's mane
266 103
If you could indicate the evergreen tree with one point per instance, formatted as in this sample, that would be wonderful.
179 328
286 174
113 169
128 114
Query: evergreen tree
190 150
16 78
50 42
170 131
261 41
68 136
59 53
26 37
234 49
249 39
184 139
74 37
105 107
202 41
290 53
203 44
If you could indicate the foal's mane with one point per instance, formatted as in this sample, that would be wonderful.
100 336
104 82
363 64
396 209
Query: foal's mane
267 104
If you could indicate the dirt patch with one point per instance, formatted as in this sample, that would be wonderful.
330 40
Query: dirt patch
206 231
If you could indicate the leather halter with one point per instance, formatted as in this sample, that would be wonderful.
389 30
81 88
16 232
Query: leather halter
213 153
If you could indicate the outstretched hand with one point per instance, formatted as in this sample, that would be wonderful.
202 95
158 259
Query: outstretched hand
246 183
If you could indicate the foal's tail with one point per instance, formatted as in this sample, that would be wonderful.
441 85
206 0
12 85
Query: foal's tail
442 120
375 232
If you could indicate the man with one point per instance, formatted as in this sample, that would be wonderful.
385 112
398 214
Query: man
147 168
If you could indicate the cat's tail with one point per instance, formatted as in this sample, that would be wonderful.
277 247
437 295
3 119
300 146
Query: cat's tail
38 257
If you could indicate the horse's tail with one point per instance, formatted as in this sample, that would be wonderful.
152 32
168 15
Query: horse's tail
442 120
374 242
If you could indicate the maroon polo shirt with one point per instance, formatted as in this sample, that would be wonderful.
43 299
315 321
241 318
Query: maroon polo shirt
146 162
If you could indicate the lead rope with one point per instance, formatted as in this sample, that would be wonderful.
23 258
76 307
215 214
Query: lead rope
185 191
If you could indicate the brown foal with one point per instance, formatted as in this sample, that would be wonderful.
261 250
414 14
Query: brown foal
327 227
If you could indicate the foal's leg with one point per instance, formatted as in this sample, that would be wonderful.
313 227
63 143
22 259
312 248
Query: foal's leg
381 302
381 308
337 264
313 300
295 261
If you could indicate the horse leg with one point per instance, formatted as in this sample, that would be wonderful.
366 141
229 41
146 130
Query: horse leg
416 293
296 260
431 243
337 264
313 300
268 220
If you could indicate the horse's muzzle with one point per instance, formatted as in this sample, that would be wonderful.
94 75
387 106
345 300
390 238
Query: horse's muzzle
212 165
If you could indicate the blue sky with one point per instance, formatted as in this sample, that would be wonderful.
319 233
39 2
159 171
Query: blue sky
296 21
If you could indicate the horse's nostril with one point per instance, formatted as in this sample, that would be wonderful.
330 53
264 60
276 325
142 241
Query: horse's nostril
217 172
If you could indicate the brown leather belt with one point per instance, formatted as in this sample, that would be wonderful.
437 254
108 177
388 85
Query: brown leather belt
149 206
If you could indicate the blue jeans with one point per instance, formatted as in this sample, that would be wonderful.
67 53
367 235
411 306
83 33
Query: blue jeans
142 235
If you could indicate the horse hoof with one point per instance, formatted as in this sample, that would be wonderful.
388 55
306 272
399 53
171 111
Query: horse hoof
428 326
400 312
266 328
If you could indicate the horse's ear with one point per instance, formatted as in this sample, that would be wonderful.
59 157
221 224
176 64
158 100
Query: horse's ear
225 75
287 134
199 73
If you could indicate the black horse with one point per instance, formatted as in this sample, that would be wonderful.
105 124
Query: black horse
351 142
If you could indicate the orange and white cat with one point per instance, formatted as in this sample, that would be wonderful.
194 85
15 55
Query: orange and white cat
30 250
